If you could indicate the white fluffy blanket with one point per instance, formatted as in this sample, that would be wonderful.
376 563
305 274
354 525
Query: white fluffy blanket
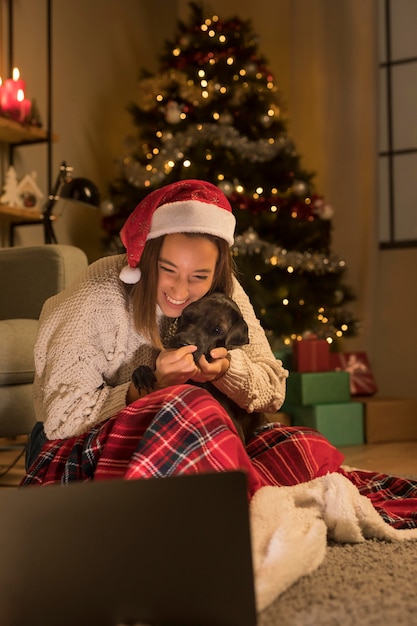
290 527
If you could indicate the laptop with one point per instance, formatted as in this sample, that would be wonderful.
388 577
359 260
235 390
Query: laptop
169 551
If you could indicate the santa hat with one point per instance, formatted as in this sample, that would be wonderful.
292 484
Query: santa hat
186 206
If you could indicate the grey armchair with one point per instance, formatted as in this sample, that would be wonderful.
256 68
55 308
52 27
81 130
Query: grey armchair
29 275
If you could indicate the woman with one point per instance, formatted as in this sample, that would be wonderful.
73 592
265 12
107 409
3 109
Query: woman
92 421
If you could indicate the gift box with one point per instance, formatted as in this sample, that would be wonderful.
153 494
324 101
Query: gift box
341 423
362 382
310 355
389 419
316 388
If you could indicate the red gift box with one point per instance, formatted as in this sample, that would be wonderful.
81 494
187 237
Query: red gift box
362 382
311 355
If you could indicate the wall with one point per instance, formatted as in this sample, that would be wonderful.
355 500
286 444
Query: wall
322 56
394 338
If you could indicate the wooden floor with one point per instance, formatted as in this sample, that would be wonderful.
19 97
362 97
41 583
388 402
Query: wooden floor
12 456
398 458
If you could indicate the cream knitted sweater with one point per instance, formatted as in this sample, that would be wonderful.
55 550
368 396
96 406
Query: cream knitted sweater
87 348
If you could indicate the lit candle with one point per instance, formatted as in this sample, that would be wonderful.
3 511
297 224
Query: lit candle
12 86
24 105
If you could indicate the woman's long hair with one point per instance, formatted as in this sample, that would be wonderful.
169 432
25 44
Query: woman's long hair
144 293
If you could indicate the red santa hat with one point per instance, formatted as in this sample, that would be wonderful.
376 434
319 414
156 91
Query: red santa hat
186 206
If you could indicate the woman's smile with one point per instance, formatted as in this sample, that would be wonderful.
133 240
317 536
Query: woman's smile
175 302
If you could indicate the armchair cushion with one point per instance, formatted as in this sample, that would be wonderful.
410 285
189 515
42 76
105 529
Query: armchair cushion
17 339
29 275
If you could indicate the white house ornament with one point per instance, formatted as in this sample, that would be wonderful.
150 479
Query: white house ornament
24 193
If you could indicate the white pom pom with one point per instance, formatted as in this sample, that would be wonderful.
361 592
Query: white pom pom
130 275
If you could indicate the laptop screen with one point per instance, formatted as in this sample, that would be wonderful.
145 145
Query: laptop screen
160 551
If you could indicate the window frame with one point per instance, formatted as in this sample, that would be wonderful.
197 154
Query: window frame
387 65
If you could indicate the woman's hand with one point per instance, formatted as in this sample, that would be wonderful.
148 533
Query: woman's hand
208 372
174 367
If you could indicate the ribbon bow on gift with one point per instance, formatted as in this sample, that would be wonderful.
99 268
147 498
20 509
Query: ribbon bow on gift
354 365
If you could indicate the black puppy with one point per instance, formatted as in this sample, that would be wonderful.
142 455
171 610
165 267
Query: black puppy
214 321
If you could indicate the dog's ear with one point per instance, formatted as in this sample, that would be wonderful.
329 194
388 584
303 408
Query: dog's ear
238 335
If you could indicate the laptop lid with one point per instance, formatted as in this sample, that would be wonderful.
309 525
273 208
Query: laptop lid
162 551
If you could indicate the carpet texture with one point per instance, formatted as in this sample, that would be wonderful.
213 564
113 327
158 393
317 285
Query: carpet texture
364 584
323 555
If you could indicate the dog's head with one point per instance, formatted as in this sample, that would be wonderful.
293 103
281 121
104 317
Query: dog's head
214 321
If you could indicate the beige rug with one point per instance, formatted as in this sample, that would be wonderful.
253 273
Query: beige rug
367 584
326 531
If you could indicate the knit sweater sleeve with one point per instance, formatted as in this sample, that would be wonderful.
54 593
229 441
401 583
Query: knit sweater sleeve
81 346
255 380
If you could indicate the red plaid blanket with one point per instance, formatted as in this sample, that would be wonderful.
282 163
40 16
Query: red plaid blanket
183 430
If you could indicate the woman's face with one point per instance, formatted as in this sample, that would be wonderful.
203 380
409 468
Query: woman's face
186 269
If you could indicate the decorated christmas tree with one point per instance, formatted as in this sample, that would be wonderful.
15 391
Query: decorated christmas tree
213 112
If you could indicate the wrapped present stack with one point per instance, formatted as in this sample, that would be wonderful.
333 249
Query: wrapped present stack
320 397
335 393
385 419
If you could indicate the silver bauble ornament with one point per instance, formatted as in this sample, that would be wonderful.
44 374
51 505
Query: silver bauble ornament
266 121
107 207
226 118
226 187
299 188
173 112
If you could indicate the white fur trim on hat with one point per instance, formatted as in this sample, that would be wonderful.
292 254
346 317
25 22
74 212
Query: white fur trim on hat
192 216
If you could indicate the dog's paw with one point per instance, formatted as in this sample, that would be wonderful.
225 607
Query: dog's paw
144 378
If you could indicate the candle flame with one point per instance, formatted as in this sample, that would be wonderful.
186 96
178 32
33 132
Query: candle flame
20 95
16 73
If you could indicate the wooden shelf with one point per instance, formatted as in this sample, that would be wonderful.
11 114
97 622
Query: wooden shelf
14 133
21 212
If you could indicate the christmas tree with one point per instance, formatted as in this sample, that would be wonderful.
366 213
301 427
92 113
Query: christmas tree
213 112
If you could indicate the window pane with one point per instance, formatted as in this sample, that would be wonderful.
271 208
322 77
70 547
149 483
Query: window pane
383 201
404 28
405 197
382 111
404 90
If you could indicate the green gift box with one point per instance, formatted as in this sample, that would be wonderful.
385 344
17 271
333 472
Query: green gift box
341 423
305 388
